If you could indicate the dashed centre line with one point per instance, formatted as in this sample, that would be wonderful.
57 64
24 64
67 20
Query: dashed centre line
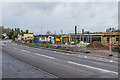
25 51
45 56
14 48
37 53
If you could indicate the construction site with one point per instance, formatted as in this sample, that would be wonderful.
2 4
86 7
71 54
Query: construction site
102 43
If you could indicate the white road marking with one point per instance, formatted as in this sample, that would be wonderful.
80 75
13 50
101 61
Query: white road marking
111 60
14 48
22 50
25 51
85 56
92 67
37 54
45 56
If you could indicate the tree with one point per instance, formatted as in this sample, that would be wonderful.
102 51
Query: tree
48 32
2 30
15 32
18 31
7 30
26 32
10 34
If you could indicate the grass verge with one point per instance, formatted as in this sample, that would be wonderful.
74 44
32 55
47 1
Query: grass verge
42 45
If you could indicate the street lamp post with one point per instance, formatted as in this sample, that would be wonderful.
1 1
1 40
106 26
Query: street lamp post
83 35
75 35
61 37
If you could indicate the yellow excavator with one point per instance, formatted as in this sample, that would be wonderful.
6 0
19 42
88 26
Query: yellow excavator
58 39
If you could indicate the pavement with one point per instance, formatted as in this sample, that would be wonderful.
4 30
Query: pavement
60 64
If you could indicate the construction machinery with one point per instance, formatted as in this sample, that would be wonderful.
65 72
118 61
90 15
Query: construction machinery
63 38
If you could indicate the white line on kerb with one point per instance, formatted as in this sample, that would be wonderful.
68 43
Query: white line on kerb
92 67
45 56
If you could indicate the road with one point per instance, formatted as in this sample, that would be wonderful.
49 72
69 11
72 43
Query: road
60 64
14 68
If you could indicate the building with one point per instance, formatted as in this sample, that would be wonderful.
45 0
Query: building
86 37
46 38
108 37
70 38
25 37
28 35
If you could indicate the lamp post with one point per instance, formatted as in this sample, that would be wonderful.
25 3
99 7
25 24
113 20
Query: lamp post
75 35
83 35
61 37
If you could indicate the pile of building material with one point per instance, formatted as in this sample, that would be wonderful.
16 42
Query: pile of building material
82 44
81 47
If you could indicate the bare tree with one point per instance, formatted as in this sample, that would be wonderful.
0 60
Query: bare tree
48 32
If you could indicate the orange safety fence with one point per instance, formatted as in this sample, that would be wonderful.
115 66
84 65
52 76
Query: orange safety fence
95 48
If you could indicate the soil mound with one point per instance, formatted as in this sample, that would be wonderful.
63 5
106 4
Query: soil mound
98 45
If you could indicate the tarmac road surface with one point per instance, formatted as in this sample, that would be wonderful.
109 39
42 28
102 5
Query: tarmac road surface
60 64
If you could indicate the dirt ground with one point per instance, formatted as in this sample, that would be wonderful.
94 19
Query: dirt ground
95 48
98 48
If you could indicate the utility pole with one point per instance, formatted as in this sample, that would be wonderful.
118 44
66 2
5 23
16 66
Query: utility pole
55 33
78 29
88 37
41 32
83 35
80 37
91 38
75 35
61 37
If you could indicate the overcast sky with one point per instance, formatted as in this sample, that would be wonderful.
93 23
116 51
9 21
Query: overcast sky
56 16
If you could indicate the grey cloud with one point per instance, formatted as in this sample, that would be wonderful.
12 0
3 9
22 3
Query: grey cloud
0 18
55 16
